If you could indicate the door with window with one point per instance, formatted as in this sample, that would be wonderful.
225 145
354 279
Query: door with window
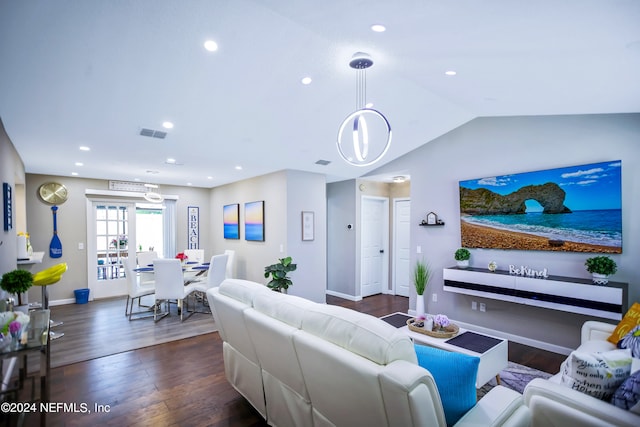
111 237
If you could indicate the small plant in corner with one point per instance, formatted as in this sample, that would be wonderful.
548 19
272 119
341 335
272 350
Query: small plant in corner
421 275
462 254
601 265
278 273
17 282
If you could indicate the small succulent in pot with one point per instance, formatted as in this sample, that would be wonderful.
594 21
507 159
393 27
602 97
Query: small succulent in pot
601 267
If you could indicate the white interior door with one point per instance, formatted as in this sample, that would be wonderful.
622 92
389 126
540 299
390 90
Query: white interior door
401 231
374 237
111 237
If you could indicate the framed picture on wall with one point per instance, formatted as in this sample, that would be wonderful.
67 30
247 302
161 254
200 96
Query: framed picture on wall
307 225
254 221
7 206
231 219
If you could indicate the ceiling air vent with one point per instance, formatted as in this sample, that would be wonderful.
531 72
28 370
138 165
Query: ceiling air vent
153 133
323 162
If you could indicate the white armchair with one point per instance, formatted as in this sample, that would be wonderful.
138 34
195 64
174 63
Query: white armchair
554 404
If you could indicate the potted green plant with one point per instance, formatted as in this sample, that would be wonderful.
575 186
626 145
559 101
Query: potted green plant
462 256
16 282
279 280
421 275
601 267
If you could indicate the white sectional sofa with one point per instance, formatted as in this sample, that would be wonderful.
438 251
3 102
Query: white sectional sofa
553 404
300 363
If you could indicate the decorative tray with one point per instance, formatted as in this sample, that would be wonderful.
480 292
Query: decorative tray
448 332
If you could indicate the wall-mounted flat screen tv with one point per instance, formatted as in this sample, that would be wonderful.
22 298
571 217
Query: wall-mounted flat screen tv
571 209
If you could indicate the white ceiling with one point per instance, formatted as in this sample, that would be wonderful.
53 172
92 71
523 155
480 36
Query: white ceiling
95 72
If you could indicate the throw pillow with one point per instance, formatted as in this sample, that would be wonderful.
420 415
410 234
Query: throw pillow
628 394
455 376
630 320
596 374
631 341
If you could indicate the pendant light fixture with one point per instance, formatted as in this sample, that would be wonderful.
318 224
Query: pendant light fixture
153 194
364 136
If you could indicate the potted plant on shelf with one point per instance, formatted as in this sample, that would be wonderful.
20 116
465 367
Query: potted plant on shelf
280 282
16 282
421 275
462 256
601 267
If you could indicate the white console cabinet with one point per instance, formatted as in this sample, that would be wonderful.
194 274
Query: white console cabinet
569 294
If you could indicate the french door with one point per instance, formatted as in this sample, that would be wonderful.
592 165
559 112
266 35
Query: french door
111 237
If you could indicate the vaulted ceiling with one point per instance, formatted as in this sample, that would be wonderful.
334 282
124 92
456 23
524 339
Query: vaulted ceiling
96 73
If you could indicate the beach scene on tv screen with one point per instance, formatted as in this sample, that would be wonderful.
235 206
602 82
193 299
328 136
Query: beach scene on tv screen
572 209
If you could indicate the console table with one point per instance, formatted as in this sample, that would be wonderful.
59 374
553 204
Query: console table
568 294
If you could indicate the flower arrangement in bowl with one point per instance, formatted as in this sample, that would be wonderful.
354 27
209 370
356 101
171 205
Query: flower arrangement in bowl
13 328
182 257
441 321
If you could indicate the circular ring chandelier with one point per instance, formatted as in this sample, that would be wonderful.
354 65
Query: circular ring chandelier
364 136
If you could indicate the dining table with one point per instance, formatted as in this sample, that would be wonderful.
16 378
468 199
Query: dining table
191 270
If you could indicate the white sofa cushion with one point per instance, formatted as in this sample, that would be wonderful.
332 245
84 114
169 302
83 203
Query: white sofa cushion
359 333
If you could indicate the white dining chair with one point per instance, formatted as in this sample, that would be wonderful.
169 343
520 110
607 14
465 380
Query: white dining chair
231 259
215 276
170 286
136 290
196 255
145 259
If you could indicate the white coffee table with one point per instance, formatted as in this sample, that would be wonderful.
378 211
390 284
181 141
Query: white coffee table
492 360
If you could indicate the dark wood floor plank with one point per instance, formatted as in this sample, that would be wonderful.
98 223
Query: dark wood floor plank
182 383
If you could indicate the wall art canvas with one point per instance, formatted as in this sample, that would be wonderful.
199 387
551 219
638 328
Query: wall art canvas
231 219
254 221
571 209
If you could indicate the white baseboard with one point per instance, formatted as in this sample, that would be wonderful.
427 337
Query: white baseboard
344 296
512 337
62 302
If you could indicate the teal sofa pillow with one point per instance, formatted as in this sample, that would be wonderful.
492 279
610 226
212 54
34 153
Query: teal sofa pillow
455 375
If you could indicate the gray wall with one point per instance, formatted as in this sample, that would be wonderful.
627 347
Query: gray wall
11 172
341 241
286 195
72 228
498 146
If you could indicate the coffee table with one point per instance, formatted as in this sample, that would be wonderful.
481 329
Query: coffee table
492 351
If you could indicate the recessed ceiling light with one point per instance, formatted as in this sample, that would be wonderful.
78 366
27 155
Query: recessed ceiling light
74 173
238 168
79 164
399 179
209 177
306 80
450 73
167 125
84 148
170 160
211 46
378 28
189 184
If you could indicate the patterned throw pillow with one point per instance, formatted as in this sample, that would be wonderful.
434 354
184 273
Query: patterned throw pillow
596 374
628 395
628 322
632 342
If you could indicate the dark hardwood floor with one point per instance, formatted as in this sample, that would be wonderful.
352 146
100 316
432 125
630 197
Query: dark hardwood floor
182 383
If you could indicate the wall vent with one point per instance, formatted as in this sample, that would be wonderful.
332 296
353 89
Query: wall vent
153 133
323 162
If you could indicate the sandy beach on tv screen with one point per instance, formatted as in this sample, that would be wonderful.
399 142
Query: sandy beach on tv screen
477 236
